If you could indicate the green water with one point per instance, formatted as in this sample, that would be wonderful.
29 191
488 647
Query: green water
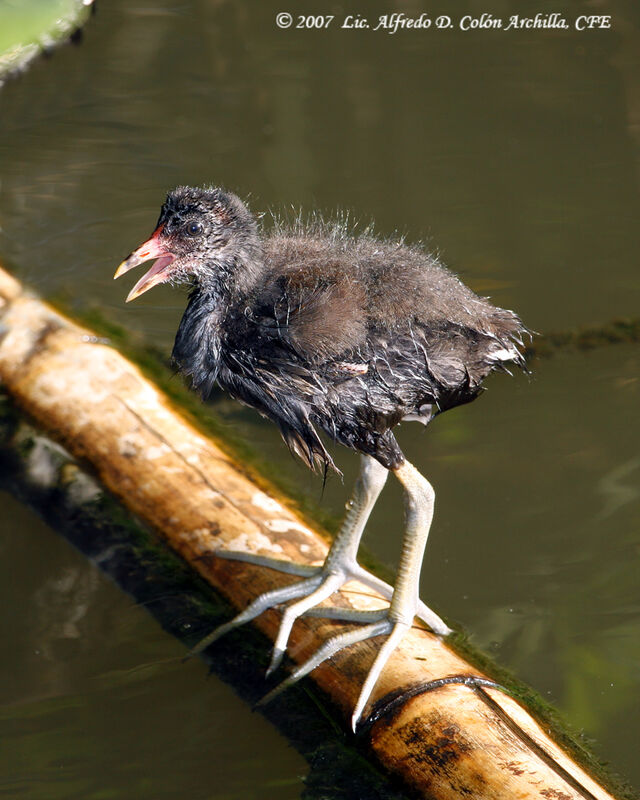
30 26
516 155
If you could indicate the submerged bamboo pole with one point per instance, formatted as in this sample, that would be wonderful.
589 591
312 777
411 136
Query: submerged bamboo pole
436 722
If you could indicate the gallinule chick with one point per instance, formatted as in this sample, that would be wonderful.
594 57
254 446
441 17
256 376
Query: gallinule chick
320 329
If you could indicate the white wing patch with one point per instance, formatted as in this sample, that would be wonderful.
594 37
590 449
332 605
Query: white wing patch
504 354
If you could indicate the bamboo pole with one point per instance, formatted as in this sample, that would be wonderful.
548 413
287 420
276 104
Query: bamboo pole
446 730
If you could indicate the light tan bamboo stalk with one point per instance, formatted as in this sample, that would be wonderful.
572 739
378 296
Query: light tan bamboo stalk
447 735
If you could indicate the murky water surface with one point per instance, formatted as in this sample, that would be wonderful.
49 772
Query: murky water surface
95 702
515 154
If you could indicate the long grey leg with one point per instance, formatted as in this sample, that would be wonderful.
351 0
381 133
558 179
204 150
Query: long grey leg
366 491
340 564
419 501
418 493
419 504
344 548
397 619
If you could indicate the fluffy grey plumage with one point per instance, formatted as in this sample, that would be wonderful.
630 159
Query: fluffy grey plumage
319 328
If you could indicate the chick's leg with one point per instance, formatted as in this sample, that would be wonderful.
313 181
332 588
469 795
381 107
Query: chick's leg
339 567
397 619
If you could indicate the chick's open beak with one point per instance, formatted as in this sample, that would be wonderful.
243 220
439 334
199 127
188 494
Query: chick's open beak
153 248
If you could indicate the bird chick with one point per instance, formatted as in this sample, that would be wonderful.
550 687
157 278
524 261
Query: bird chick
323 330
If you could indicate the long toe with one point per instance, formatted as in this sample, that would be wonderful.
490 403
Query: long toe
265 601
328 649
328 586
395 632
437 625
278 564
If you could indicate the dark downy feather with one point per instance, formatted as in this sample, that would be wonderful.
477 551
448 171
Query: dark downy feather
345 333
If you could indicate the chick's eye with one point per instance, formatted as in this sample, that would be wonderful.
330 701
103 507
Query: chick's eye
194 228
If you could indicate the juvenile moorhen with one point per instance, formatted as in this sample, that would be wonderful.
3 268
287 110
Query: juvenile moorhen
318 328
